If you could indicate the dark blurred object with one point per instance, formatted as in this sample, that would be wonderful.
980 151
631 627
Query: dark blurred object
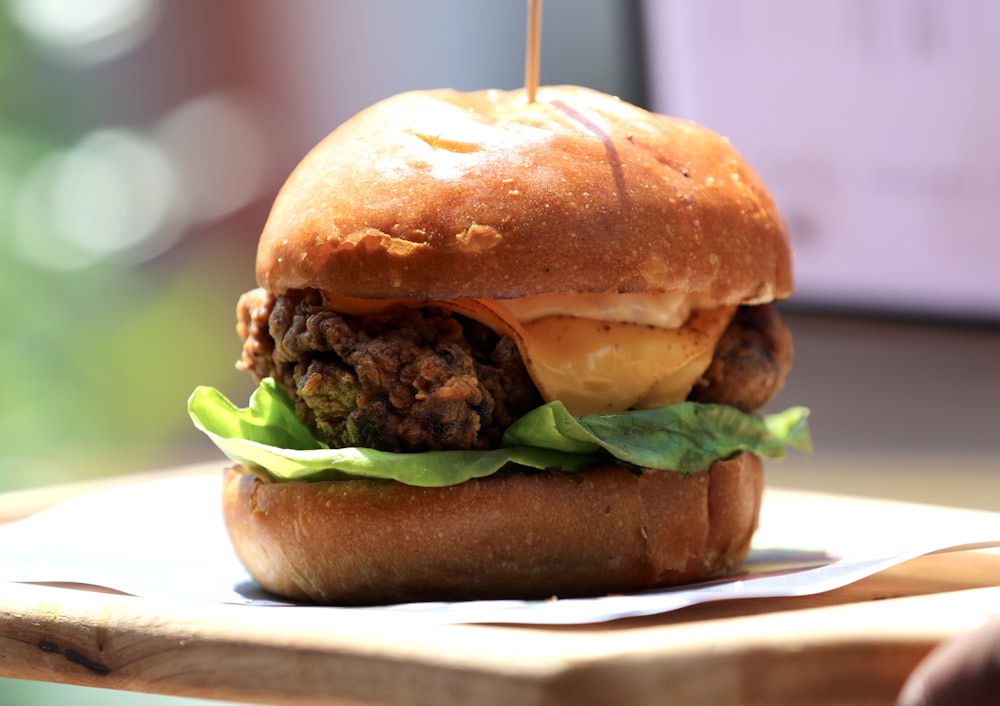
964 671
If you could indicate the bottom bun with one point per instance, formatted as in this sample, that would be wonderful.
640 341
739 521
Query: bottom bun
511 535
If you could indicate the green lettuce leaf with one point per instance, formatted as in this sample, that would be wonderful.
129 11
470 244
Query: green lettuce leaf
687 437
269 420
267 436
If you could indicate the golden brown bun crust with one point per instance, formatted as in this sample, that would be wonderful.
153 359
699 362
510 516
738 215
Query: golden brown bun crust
604 530
444 195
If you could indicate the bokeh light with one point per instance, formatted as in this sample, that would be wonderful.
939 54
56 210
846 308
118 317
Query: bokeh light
113 193
88 32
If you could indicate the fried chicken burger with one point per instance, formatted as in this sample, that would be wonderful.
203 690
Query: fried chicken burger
507 349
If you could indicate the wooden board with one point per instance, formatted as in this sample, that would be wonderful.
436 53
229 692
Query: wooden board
852 645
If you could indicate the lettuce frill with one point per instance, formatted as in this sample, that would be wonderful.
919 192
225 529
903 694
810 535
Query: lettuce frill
687 438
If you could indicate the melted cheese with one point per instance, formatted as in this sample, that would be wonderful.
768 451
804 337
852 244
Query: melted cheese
596 363
598 366
665 309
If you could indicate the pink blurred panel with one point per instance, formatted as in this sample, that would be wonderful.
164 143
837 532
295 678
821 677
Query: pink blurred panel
874 124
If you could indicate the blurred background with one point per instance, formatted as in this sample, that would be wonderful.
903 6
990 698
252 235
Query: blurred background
141 142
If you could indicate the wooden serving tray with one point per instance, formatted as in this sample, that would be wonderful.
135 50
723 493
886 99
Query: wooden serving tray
853 645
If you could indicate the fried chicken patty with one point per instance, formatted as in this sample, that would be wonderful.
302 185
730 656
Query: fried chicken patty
750 363
403 380
426 379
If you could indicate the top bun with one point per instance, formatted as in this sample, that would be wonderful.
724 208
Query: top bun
444 195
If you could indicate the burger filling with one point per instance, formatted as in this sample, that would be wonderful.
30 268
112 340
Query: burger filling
422 379
401 380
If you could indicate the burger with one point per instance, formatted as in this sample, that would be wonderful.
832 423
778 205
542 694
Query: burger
507 349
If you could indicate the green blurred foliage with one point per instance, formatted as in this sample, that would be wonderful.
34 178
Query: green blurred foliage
97 362
15 692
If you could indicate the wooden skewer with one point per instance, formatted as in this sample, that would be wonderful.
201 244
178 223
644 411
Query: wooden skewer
533 60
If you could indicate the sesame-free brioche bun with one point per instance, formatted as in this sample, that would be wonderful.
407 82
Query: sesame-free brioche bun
445 195
511 535
445 198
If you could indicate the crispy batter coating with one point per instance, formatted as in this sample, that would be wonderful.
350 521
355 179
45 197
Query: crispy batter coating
403 380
